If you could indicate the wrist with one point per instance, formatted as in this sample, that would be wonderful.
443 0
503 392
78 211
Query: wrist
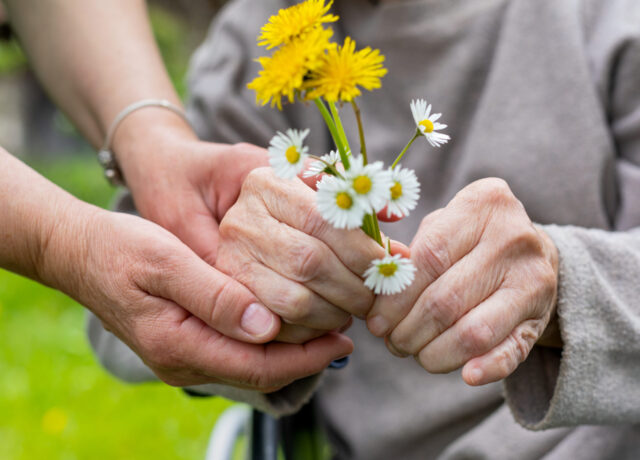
64 245
146 139
551 336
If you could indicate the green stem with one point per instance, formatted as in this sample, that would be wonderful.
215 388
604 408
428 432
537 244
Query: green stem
336 118
376 229
340 130
406 147
363 146
366 226
371 228
337 140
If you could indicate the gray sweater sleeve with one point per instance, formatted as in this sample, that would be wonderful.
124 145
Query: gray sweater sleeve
595 378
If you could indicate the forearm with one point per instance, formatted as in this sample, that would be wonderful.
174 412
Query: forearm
38 222
95 58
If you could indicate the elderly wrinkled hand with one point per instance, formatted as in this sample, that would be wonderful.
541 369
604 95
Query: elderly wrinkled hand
274 241
485 288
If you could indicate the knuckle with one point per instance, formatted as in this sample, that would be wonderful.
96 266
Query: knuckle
227 295
505 362
402 343
476 338
307 260
494 191
442 308
525 242
256 178
232 225
312 222
297 305
431 254
517 351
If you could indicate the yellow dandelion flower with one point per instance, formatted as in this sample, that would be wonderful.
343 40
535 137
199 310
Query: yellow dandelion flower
283 73
292 22
343 70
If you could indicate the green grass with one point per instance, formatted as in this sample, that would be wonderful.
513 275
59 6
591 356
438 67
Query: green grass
56 402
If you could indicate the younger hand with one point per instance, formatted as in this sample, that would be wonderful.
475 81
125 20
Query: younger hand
485 287
188 322
179 182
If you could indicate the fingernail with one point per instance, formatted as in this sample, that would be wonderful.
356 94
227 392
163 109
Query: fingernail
378 325
257 320
475 375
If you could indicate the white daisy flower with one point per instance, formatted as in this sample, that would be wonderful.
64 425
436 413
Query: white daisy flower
371 184
318 167
337 203
287 153
405 192
389 275
426 122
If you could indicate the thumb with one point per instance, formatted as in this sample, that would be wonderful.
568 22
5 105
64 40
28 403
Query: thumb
400 248
217 299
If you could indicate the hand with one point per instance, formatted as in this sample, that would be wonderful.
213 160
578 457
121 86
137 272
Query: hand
183 184
189 323
485 287
274 241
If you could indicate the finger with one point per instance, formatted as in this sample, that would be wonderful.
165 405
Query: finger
466 284
502 360
292 301
257 366
480 330
444 237
301 213
218 300
304 260
290 333
201 235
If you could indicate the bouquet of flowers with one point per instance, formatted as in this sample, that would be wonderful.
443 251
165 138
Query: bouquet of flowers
306 65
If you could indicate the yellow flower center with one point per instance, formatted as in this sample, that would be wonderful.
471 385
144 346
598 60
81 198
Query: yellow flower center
343 200
396 191
292 155
387 269
427 125
362 185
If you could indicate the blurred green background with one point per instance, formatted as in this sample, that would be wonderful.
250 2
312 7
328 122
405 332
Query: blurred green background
56 402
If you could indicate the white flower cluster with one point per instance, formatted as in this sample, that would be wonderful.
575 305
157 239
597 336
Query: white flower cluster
366 189
346 197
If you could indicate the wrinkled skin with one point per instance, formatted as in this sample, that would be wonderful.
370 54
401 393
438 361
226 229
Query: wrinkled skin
179 314
485 288
274 241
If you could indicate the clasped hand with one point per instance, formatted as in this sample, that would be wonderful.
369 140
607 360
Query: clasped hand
485 287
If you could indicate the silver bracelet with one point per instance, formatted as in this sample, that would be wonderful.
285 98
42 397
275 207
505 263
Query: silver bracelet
107 158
